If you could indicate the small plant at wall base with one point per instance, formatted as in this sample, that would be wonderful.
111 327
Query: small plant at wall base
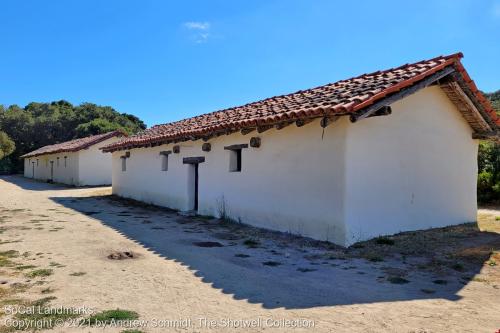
222 209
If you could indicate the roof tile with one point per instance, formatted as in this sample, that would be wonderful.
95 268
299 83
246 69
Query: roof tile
339 98
73 145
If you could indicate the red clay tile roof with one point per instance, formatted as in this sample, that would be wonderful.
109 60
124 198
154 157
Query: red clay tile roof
340 98
73 145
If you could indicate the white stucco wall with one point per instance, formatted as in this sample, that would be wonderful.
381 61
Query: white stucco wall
94 165
411 170
293 182
65 174
86 167
414 169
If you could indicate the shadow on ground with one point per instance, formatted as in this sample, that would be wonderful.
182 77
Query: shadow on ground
279 270
276 273
31 184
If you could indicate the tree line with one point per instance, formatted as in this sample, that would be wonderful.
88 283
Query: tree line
39 124
488 180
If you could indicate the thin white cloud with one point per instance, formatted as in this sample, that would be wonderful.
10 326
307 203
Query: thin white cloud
197 25
200 31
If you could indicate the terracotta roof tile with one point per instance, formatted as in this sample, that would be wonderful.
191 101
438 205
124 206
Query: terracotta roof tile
340 98
73 145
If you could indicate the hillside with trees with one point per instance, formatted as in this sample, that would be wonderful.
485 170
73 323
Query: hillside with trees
39 124
488 182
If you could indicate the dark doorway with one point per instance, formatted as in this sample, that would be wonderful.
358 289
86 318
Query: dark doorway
33 170
193 180
195 186
51 171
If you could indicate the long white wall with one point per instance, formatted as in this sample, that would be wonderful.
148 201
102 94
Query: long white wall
411 170
63 172
94 165
414 169
86 167
293 182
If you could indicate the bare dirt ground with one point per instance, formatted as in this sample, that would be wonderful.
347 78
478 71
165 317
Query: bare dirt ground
79 248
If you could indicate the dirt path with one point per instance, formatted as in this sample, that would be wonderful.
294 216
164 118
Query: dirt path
194 268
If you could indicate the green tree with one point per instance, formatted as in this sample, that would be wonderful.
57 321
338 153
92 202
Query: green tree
7 146
40 124
488 180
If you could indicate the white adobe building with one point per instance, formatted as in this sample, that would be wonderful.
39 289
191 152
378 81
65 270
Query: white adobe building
77 162
377 154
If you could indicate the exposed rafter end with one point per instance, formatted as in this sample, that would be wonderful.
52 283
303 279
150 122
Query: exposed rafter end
262 129
325 121
282 125
246 131
302 122
491 135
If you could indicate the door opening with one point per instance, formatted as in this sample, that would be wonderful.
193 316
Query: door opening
193 181
196 180
33 170
51 171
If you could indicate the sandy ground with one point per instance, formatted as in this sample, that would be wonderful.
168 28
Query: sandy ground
74 230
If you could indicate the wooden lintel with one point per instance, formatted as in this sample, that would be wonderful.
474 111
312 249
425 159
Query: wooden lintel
166 152
246 131
236 147
302 122
262 129
193 160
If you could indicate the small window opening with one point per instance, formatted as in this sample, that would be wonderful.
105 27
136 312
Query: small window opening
37 162
235 160
124 164
65 161
164 162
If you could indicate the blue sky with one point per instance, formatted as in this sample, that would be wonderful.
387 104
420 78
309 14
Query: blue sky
167 60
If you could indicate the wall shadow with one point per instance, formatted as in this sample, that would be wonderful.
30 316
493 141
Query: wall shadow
292 277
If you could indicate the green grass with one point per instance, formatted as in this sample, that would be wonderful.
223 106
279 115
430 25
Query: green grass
40 272
107 316
47 290
5 257
9 254
23 267
55 264
42 316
